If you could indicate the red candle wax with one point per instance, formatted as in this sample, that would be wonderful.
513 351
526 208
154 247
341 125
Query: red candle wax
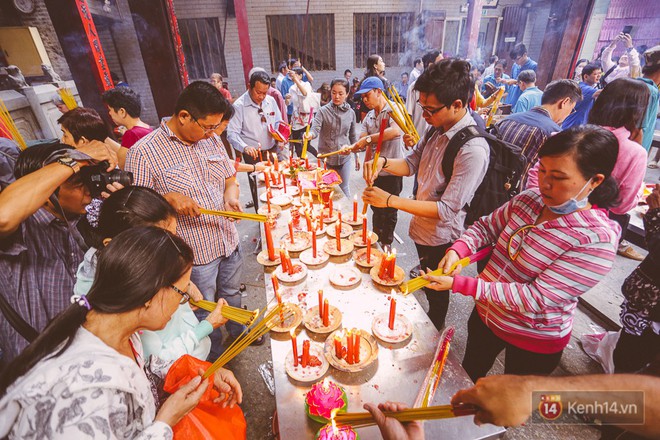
392 313
369 249
384 261
308 219
275 161
356 347
269 242
330 206
392 265
349 352
295 348
314 243
321 303
326 313
289 265
276 284
364 230
355 206
305 354
283 181
267 180
283 260
338 347
269 163
291 237
338 235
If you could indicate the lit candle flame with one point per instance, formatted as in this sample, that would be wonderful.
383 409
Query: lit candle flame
335 431
293 333
326 385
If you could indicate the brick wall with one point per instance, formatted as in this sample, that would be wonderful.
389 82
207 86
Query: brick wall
41 20
343 11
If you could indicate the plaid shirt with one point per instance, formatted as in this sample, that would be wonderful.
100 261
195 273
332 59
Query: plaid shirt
38 266
163 162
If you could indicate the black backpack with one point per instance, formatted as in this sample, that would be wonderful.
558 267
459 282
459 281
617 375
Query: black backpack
502 180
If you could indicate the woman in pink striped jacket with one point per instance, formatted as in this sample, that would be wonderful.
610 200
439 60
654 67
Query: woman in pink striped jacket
551 244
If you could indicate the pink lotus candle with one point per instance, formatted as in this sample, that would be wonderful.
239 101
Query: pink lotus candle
325 399
355 208
295 348
329 432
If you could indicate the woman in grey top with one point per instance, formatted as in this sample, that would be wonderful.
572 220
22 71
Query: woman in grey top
334 125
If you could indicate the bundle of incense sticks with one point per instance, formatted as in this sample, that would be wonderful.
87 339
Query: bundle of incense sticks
362 419
249 335
383 125
400 114
419 282
333 153
67 98
493 110
303 154
432 379
236 215
11 126
236 314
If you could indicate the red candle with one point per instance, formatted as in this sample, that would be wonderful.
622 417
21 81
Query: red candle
276 284
392 265
289 265
261 158
392 312
355 208
384 261
283 181
275 161
269 242
321 303
364 229
338 347
307 163
283 261
330 206
325 164
268 196
308 219
356 347
326 313
305 355
320 224
339 217
314 243
338 235
291 161
295 348
291 231
318 163
278 296
369 249
349 352
273 178
266 180
269 162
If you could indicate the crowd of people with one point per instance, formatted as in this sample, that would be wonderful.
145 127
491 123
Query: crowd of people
96 278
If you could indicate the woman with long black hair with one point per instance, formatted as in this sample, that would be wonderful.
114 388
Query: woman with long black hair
85 374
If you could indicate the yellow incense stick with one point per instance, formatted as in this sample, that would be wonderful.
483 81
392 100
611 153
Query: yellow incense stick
419 282
407 415
67 98
235 215
493 110
236 314
11 126
340 151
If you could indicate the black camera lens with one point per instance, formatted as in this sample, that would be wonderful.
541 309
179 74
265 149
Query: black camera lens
96 178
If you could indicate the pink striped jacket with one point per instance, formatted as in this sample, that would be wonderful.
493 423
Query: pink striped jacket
529 301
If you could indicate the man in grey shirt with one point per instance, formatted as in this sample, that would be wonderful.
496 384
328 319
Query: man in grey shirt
438 212
372 92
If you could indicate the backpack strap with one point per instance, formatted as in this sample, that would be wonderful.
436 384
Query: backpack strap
463 136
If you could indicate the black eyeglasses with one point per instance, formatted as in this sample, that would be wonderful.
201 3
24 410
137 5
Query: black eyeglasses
430 111
261 113
206 129
185 295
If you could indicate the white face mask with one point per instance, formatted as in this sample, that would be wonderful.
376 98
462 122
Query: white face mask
571 205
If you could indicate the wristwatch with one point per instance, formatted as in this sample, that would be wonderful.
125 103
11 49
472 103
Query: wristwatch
368 139
67 161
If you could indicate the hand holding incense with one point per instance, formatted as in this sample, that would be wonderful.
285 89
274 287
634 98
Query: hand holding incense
374 165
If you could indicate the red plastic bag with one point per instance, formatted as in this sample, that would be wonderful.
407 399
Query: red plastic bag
208 420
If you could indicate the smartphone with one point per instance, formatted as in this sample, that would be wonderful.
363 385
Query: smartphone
627 29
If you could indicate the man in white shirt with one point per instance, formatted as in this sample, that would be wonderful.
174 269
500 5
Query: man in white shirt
417 70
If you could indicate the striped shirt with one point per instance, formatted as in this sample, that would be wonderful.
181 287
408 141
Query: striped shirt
38 266
529 302
163 162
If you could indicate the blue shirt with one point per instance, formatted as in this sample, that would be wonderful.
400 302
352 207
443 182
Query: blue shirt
582 109
492 80
514 92
529 99
648 123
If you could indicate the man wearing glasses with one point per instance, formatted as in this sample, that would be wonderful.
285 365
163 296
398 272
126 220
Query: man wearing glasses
439 209
186 162
372 94
255 110
520 62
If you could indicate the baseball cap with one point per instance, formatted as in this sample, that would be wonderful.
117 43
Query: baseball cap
373 82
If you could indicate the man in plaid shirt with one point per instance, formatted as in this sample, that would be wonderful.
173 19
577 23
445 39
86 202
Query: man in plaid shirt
186 162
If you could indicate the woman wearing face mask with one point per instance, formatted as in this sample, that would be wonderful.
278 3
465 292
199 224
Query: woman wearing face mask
334 125
85 376
551 244
184 333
